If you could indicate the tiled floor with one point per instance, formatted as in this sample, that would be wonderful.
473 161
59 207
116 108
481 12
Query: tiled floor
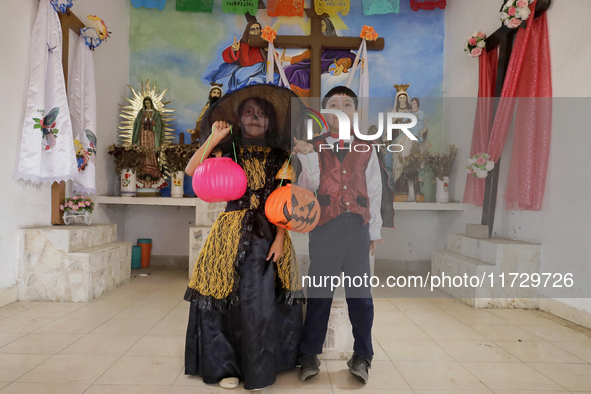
132 341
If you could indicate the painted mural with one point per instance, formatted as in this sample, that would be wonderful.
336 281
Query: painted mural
188 52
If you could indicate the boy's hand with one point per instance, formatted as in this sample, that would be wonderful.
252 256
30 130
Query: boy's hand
302 146
374 244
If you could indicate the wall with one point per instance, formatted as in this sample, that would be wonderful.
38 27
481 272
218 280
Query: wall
24 205
172 49
562 224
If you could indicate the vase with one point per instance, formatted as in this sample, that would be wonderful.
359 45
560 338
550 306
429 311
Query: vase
177 188
71 216
411 180
128 183
442 192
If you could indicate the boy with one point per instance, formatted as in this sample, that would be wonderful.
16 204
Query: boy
349 179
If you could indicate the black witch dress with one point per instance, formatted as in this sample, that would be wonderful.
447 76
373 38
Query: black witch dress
245 317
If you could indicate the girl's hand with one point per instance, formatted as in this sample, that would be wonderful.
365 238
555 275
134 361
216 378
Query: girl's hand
220 129
276 250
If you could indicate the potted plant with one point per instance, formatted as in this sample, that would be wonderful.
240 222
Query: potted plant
128 160
77 206
413 166
441 165
177 158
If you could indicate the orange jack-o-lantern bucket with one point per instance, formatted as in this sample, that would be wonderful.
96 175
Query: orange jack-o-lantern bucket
293 208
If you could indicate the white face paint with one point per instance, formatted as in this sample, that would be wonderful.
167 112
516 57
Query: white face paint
254 119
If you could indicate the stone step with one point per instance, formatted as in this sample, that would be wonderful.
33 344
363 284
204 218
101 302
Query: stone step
496 251
487 295
70 239
82 276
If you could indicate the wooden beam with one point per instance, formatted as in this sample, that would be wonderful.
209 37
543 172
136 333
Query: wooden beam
58 190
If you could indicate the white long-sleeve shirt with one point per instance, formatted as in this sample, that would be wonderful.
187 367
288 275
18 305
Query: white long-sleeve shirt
310 179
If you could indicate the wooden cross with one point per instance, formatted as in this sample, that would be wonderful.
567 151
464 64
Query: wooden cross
317 42
503 39
58 190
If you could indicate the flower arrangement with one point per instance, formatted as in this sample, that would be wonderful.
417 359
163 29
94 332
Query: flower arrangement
515 12
127 157
78 204
479 165
178 156
268 34
368 33
442 164
415 160
475 44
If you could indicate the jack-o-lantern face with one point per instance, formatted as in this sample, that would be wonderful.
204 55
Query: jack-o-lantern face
293 208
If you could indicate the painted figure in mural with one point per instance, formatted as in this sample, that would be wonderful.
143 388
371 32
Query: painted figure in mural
147 133
215 93
243 65
245 316
337 61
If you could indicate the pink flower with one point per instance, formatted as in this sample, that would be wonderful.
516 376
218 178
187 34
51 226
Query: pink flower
75 208
472 41
522 3
87 203
515 23
61 207
481 33
470 170
481 161
476 52
81 204
512 11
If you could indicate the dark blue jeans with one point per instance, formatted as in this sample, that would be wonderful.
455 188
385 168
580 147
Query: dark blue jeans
340 245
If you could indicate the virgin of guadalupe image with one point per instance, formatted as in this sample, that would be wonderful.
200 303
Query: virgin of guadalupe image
337 61
243 65
147 133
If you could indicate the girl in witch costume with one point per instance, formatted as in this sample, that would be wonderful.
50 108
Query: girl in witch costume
245 317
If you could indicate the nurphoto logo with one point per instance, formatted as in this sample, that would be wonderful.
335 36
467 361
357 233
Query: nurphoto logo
392 123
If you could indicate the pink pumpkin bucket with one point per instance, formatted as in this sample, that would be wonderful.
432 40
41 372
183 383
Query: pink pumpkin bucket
219 179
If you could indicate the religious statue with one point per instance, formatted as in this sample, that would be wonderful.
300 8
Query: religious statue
147 132
399 179
146 125
243 65
337 61
215 93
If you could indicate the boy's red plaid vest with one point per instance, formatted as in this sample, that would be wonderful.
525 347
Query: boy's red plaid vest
343 185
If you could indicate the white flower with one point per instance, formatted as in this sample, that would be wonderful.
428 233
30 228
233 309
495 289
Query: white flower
475 34
471 161
481 44
481 173
490 165
523 13
504 16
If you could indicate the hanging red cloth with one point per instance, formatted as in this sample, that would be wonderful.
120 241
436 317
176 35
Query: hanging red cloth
487 81
528 76
533 125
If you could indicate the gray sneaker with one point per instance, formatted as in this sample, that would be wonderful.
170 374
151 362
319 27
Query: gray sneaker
359 367
309 366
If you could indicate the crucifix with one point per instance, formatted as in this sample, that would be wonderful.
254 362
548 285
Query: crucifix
503 39
317 42
58 190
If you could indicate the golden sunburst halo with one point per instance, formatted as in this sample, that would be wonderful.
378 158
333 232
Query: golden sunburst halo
136 103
